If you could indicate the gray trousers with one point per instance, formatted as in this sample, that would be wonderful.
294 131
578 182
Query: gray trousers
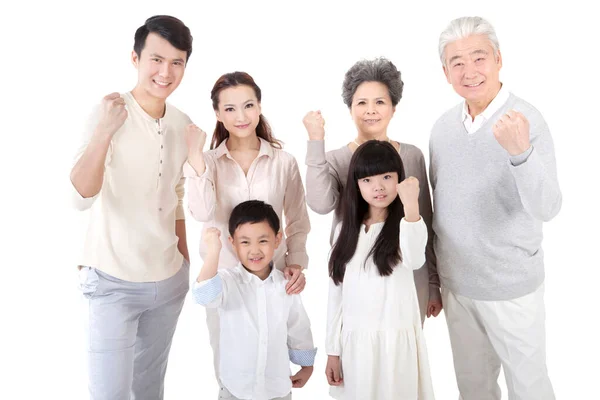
130 327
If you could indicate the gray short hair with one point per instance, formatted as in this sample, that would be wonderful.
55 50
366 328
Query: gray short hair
463 27
377 70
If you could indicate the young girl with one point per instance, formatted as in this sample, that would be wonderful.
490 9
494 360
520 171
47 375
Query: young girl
375 345
245 163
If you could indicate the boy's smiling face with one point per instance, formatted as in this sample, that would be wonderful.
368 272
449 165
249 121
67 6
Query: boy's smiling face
255 245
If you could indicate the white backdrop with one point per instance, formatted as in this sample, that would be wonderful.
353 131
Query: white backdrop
59 59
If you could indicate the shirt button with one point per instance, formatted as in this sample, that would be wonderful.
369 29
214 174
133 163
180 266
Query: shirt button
159 174
160 209
161 161
161 146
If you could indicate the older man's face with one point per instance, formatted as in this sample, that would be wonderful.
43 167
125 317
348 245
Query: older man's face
473 69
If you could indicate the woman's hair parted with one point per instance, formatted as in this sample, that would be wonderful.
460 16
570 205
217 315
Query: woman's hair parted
373 157
233 79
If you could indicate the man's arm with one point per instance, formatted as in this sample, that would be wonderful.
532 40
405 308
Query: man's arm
88 173
181 234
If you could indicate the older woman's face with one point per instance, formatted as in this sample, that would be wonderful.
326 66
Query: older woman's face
372 109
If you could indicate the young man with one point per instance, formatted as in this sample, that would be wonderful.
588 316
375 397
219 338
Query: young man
262 328
493 175
135 264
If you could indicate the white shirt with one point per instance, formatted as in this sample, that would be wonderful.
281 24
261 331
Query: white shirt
262 329
473 125
131 231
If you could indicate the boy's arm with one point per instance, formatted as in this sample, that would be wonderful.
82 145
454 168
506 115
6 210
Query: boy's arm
300 342
208 288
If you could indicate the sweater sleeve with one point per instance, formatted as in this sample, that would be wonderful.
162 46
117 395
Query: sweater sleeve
535 174
322 186
427 214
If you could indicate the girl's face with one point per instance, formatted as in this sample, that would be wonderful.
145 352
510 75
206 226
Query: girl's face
379 191
239 110
372 108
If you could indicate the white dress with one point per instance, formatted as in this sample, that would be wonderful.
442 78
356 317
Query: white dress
374 325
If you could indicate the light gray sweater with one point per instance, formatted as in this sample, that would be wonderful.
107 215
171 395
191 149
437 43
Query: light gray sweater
326 175
489 207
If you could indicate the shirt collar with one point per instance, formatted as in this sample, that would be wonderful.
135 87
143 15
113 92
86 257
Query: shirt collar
265 149
494 106
247 277
134 106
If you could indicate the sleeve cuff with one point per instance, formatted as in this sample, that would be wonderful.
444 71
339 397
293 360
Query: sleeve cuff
298 258
190 172
519 159
303 358
179 213
207 291
79 202
434 293
315 152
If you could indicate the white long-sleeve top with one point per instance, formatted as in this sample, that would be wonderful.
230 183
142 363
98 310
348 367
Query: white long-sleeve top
367 301
262 329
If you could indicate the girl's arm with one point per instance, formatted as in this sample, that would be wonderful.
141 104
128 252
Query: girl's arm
413 232
333 342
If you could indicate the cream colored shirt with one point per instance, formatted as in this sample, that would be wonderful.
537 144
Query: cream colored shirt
273 178
131 232
473 125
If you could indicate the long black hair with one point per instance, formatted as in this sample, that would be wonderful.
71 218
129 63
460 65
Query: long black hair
373 157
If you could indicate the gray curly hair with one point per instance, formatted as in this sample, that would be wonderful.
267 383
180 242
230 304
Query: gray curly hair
378 70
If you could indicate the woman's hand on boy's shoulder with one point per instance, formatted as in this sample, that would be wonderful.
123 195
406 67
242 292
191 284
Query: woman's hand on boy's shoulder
296 278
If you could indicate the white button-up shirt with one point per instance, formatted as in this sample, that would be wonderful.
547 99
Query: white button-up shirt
262 330
473 125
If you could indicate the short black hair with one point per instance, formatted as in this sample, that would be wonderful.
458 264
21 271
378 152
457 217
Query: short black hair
253 211
169 28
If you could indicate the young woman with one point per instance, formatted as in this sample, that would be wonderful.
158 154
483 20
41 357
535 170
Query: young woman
245 162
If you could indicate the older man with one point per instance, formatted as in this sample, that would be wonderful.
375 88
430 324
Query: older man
493 175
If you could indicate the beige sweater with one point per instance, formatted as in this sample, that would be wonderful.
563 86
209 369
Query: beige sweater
326 174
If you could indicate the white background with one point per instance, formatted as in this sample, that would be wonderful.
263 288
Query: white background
58 60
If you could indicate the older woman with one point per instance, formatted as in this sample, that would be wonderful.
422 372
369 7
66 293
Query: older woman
371 90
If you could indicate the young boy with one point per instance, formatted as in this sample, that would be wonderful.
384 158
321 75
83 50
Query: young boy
262 327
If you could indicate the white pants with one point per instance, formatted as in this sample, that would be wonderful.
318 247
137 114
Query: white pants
487 334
